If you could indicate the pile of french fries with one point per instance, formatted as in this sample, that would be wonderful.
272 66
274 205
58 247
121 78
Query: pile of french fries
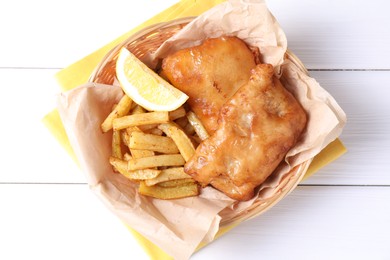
151 148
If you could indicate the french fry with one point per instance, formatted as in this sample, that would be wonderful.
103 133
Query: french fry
174 183
189 129
155 161
183 142
185 125
118 164
138 110
126 157
182 121
141 119
136 138
125 134
196 139
178 113
125 137
116 144
175 173
147 127
166 193
197 125
141 174
128 131
154 131
136 153
161 144
131 129
120 110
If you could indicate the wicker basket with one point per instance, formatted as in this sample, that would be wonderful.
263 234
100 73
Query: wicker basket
148 40
140 43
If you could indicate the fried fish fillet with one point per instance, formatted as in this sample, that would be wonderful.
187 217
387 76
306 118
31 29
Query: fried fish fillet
258 126
210 74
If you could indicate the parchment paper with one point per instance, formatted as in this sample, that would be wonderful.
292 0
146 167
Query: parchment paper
178 226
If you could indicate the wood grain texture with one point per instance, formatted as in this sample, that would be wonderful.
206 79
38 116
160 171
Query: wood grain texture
64 32
68 222
313 223
336 34
363 96
324 34
29 152
41 221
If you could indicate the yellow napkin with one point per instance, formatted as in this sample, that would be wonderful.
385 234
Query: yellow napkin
79 72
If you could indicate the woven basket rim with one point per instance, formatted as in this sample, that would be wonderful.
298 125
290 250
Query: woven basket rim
148 29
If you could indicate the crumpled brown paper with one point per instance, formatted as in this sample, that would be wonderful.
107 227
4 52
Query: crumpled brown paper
178 226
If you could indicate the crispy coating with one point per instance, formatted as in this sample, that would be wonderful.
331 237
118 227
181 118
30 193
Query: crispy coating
210 74
258 126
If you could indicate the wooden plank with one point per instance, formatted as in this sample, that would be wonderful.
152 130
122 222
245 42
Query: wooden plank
68 222
29 152
313 223
337 34
64 32
60 222
364 98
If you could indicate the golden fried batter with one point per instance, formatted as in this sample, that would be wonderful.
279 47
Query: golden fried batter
210 74
258 126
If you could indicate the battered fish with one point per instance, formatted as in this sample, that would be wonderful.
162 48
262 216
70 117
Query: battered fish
258 126
210 74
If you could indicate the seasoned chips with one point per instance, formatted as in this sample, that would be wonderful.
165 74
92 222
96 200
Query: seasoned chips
180 138
152 142
120 110
151 148
141 119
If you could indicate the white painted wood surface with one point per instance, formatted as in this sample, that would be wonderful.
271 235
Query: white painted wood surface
47 210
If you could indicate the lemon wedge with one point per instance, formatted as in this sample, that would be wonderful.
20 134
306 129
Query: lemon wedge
144 86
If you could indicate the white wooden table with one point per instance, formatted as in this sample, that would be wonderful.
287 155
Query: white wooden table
47 210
